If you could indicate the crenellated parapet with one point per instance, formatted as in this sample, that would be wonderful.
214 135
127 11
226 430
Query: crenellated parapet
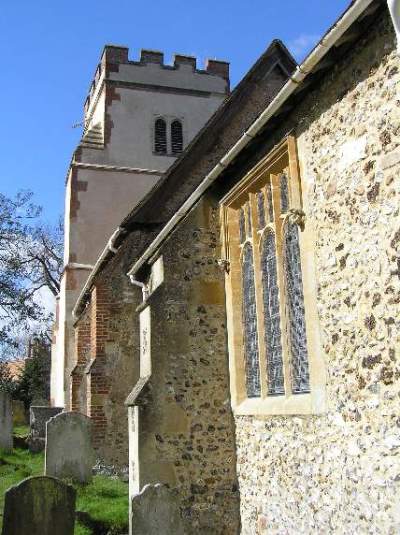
151 70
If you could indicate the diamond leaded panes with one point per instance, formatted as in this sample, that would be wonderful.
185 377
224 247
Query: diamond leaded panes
269 200
296 313
272 320
273 360
249 317
261 209
284 190
249 226
242 226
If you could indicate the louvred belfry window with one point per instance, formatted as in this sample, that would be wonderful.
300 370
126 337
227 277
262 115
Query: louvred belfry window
176 137
263 222
160 136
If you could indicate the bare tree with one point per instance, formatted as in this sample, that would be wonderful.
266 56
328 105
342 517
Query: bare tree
30 261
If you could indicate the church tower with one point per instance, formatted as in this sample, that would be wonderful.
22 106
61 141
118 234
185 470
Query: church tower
138 117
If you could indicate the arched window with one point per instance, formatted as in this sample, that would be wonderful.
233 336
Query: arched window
160 136
249 314
176 137
272 318
296 314
275 355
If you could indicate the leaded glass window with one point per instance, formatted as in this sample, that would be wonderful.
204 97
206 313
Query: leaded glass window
284 189
249 315
272 318
296 313
272 350
269 200
261 209
242 226
249 226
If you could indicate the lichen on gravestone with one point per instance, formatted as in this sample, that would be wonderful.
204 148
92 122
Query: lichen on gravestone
39 506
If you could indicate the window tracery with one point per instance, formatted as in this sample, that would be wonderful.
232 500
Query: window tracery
270 344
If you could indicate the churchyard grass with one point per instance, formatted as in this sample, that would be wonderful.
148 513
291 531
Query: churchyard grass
105 500
21 430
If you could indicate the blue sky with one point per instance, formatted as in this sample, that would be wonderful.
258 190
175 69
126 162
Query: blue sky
50 50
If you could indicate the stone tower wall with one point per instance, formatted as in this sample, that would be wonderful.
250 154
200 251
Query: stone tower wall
115 166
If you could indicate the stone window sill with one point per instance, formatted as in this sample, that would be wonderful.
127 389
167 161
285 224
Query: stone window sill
298 404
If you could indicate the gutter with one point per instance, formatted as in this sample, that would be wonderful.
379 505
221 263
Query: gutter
109 248
394 8
302 71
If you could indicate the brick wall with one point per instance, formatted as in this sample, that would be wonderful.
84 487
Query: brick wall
78 385
98 381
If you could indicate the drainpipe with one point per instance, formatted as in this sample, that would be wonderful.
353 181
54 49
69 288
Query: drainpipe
394 8
142 285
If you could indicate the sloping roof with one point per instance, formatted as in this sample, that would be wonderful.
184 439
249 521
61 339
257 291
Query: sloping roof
226 125
167 197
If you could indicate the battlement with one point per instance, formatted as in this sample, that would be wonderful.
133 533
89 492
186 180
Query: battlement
152 70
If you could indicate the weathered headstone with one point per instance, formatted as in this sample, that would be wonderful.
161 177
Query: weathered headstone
19 413
155 510
39 416
39 506
6 425
69 450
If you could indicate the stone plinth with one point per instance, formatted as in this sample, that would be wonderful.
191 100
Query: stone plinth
69 450
39 416
154 511
6 425
39 506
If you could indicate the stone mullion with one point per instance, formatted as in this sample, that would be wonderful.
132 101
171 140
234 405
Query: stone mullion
235 274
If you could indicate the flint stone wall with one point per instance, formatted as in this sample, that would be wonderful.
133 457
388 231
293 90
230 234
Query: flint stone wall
6 424
186 437
339 473
39 506
69 450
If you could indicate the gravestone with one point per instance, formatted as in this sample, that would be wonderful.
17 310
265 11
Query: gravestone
69 450
6 425
39 416
19 413
39 506
155 510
